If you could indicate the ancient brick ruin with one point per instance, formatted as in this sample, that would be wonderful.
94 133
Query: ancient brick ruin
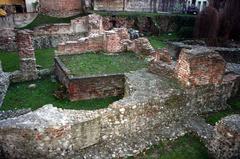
28 68
113 41
200 67
156 104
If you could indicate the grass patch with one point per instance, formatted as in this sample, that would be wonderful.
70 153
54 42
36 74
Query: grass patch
10 60
186 147
44 19
20 96
215 117
160 41
98 63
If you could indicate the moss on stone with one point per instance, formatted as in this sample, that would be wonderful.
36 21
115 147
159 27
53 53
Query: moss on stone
176 101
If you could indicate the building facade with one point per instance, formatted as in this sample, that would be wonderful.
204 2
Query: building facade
200 4
18 6
61 8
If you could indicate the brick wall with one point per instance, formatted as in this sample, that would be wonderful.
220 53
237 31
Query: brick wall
28 67
200 66
89 87
111 5
62 8
109 41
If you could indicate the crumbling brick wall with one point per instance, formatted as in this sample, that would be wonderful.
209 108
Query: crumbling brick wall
28 69
200 66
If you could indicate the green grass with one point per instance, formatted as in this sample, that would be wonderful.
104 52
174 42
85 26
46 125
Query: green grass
160 41
186 147
215 117
44 19
98 63
10 60
20 96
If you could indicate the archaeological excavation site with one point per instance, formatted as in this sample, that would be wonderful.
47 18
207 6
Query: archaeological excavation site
102 79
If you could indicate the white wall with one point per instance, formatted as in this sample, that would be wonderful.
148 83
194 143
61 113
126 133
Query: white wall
201 2
29 5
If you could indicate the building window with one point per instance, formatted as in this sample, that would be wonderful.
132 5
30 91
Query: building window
204 4
199 4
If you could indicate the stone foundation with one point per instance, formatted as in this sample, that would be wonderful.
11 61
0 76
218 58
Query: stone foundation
153 108
81 88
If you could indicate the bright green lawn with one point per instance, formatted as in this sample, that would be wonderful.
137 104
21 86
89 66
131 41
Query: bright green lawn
160 41
20 96
98 63
186 147
10 60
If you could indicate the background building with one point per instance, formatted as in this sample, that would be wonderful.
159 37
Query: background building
18 6
61 8
200 4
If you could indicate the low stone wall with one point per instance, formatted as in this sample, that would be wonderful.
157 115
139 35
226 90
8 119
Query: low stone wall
50 29
80 88
113 41
153 108
8 39
49 36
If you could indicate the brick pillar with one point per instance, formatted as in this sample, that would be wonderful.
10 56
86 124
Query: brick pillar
26 54
200 66
94 23
226 142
